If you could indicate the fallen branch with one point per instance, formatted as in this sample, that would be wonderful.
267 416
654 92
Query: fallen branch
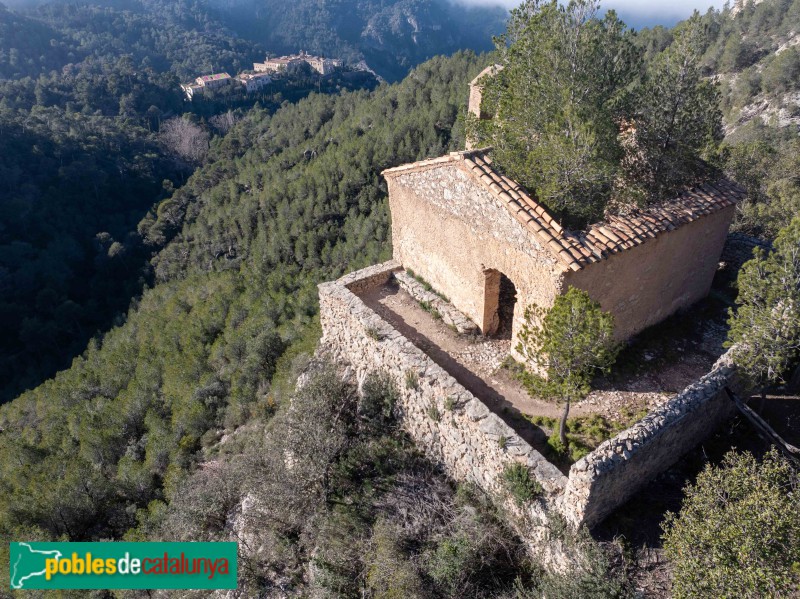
765 430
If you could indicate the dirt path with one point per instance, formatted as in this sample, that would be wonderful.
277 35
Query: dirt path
476 363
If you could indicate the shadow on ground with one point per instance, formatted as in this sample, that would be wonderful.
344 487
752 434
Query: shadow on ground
476 385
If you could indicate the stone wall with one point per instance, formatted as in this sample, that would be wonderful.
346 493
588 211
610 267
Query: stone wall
476 95
453 427
604 479
456 430
448 229
643 285
450 316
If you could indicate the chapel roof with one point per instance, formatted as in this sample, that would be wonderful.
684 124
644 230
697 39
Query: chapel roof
614 234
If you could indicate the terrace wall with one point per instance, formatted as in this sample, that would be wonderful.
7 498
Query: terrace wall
453 427
607 477
456 430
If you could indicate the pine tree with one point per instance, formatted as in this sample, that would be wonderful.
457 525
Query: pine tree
676 119
574 341
556 103
578 120
765 328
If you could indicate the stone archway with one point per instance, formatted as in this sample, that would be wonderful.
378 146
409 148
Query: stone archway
500 298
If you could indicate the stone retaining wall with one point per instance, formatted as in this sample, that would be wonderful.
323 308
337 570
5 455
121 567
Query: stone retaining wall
452 426
604 479
456 430
450 316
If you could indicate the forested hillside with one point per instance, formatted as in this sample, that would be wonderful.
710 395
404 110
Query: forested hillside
177 414
158 430
753 54
84 91
168 36
255 230
391 36
196 35
29 47
757 61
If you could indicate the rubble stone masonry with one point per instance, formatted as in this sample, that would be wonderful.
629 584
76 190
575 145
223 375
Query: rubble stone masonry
453 233
457 431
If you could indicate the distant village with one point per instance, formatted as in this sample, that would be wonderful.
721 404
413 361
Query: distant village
264 73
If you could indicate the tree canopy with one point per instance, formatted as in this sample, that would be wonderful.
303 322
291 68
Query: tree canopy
676 119
568 344
583 122
765 327
738 531
243 245
85 158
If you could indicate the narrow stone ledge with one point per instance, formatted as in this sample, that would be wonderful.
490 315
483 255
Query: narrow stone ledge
450 315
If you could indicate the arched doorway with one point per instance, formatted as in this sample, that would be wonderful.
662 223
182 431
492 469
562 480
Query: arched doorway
500 298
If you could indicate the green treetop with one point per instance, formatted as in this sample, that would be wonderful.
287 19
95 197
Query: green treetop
577 118
555 103
574 340
765 329
676 119
738 531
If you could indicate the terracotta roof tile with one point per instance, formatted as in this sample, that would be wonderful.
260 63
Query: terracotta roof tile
611 236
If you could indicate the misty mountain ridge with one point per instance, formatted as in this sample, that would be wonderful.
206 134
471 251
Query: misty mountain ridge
391 36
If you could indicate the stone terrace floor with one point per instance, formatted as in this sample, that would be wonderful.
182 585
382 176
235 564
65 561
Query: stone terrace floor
663 361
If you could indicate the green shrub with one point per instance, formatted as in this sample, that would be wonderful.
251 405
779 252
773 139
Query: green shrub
373 333
589 575
584 433
378 398
518 482
738 531
434 414
389 573
452 562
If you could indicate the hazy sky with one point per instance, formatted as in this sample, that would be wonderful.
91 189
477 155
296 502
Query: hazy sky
654 12
638 13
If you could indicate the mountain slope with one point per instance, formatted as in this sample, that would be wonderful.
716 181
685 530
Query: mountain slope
83 160
755 54
391 35
257 228
175 425
27 46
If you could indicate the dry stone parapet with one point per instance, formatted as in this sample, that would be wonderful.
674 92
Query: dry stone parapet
459 432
